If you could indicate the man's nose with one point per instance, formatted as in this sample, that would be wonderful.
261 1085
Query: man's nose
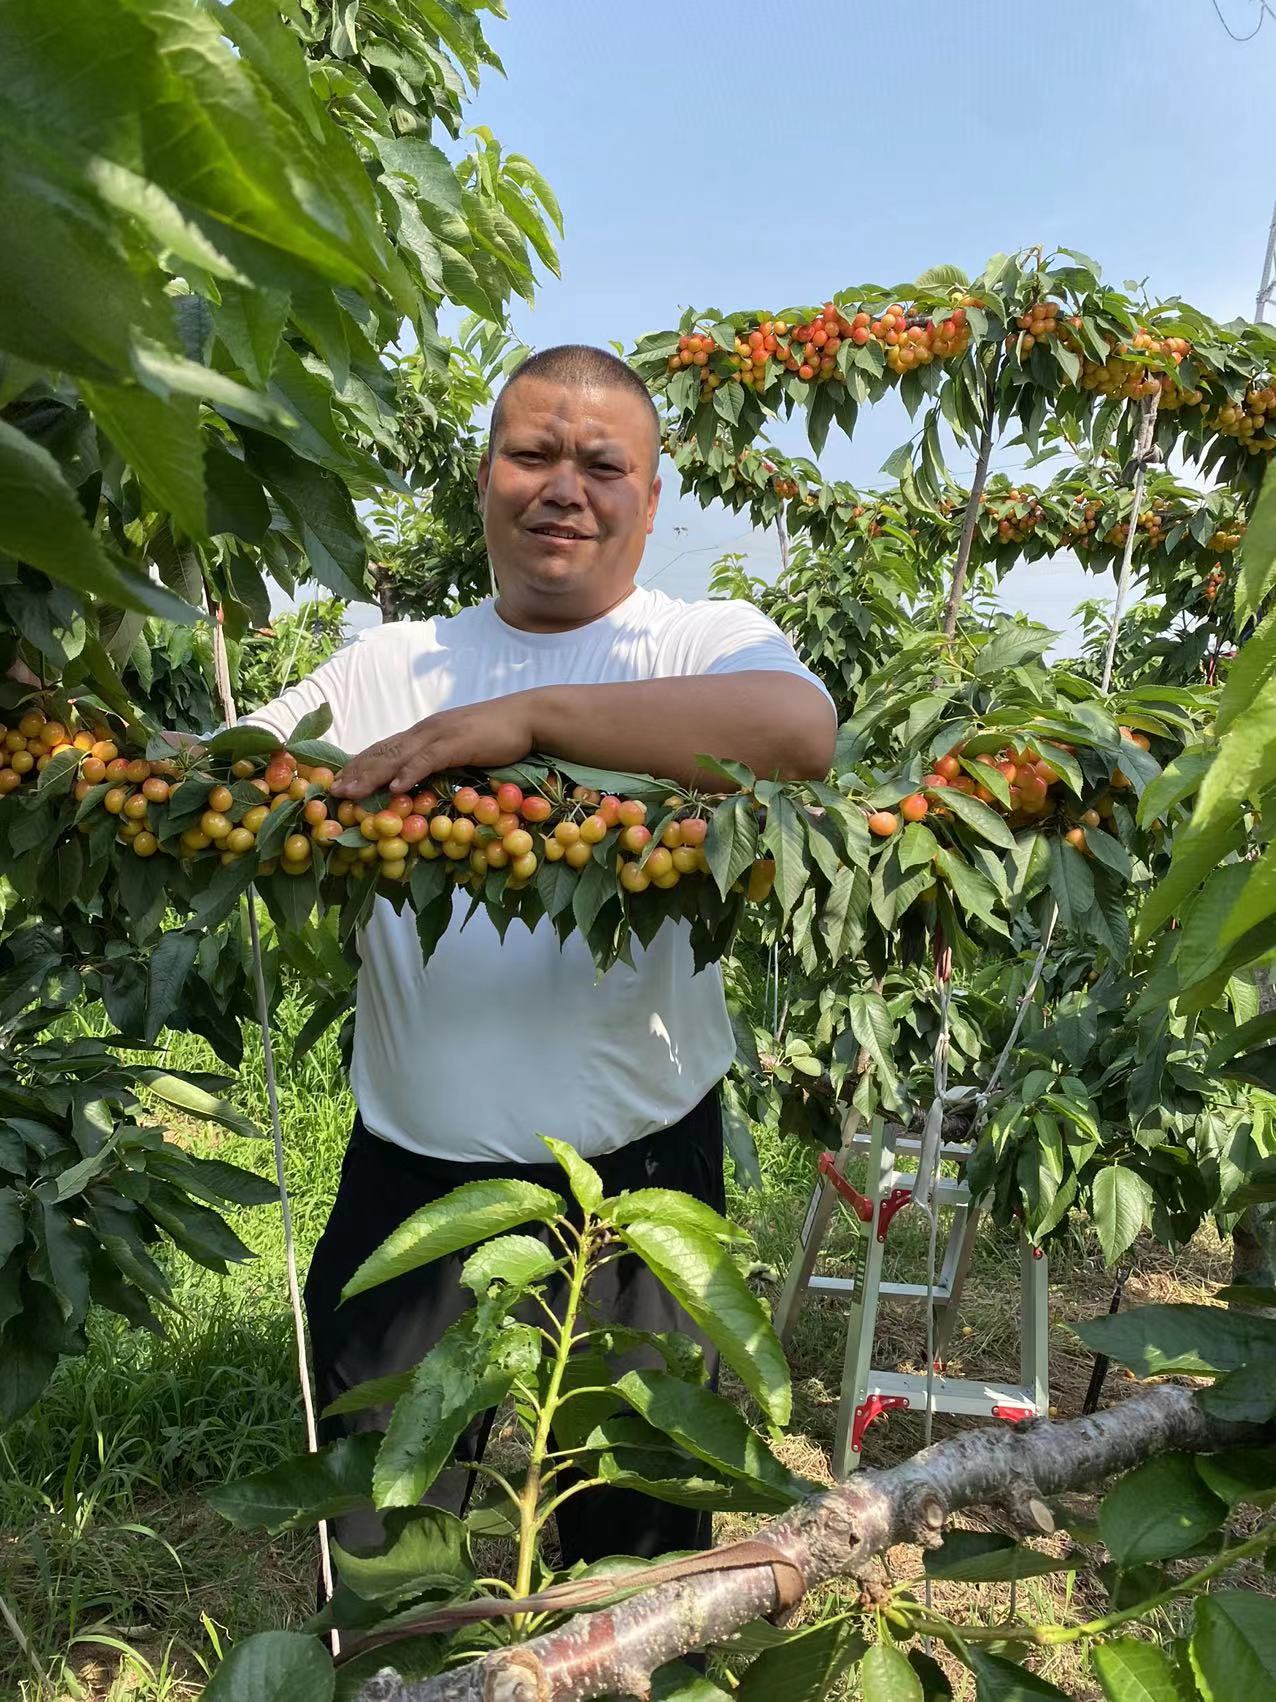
564 486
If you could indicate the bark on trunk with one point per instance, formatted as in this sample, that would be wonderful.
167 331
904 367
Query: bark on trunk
614 1651
961 566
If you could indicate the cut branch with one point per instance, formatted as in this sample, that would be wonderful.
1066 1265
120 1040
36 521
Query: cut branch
614 1651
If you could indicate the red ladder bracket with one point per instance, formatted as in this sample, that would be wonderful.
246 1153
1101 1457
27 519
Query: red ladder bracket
1013 1414
870 1409
862 1207
890 1205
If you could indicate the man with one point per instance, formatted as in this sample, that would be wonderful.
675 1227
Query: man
459 1064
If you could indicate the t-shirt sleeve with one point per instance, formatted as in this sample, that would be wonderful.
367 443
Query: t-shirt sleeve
733 637
328 683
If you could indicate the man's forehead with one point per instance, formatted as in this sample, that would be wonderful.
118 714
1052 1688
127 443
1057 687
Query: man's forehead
582 410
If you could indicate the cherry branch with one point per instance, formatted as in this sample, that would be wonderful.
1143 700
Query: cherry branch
614 1651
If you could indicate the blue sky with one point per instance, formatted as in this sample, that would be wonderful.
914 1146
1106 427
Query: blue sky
738 155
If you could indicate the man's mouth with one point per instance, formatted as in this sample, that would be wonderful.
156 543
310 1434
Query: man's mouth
552 529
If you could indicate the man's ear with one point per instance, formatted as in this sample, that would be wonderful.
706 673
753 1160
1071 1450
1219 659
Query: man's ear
653 502
484 474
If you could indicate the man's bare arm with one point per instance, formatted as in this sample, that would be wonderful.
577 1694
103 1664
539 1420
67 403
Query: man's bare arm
776 724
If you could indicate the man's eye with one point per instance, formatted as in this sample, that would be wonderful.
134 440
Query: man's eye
607 467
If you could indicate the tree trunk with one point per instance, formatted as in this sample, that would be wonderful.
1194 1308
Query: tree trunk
614 1651
957 589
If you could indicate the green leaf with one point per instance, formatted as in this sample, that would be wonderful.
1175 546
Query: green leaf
471 1368
1241 1474
1130 1670
313 725
1071 883
12 1224
985 822
28 1357
873 1026
250 323
1233 1645
1002 1680
732 840
274 1666
429 1553
160 438
667 1205
973 891
707 1426
167 967
469 1214
518 1260
196 1101
987 1557
1179 779
705 1282
373 1392
319 504
41 522
1011 647
782 836
229 1181
67 1254
632 1455
1158 1511
1244 1396
586 1184
1121 1200
303 1490
1155 1340
885 1676
1256 560
808 1667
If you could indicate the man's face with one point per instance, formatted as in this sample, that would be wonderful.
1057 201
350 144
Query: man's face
569 492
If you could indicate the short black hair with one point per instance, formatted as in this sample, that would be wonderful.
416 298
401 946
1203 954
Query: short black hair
581 366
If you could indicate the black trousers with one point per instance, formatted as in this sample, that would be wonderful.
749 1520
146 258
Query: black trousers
392 1327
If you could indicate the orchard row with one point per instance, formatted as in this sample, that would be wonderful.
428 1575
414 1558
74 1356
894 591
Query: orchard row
1180 535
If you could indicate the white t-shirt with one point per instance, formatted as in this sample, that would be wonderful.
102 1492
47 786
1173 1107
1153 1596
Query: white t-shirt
472 1055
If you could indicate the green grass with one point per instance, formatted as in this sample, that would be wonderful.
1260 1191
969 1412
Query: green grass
127 1585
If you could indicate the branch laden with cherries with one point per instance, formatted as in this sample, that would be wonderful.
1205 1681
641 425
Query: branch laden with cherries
1004 790
1035 339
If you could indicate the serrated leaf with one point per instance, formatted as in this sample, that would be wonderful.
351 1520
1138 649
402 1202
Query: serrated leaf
466 1215
732 840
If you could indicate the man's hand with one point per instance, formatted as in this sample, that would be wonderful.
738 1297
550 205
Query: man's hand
478 735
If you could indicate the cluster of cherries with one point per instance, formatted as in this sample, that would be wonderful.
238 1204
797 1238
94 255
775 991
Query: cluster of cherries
809 347
477 830
1031 789
506 828
27 748
1015 515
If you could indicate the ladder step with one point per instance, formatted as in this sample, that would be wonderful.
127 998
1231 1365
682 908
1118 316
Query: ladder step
955 1150
955 1394
946 1193
901 1290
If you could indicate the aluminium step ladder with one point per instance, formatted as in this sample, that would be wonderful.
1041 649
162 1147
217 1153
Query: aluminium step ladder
867 1390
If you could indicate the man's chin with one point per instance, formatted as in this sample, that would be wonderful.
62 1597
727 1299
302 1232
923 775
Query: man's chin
558 572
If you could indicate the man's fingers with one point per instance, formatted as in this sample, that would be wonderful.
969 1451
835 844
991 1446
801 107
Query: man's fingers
411 766
367 772
396 763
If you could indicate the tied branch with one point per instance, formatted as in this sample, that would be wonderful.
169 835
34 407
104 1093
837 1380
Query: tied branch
615 1650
